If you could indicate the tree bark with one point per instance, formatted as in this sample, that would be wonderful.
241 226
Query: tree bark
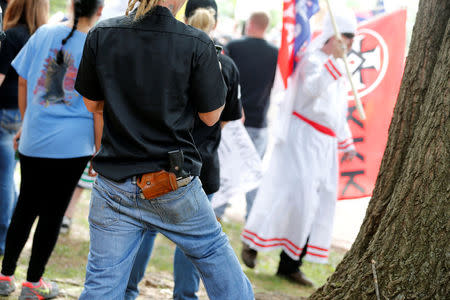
407 225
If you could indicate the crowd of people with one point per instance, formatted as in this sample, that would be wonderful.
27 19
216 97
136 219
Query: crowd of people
138 101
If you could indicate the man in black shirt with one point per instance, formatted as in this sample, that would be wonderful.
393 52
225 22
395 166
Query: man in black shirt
207 140
256 60
151 75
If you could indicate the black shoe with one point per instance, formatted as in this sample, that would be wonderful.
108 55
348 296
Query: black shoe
65 225
248 255
297 277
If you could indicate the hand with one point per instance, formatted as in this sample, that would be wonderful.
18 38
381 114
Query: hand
16 139
92 173
349 155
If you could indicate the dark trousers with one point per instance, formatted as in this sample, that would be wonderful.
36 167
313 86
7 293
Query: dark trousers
288 265
45 191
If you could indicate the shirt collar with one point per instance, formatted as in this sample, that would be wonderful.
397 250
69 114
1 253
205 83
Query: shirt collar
161 10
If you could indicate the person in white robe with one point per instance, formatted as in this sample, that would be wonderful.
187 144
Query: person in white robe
295 204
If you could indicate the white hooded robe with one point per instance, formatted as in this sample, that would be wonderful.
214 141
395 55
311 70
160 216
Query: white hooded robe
298 194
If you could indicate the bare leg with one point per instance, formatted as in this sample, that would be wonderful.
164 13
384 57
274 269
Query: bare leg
73 202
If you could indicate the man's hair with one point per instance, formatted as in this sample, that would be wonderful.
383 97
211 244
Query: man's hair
32 14
143 8
203 19
193 5
260 20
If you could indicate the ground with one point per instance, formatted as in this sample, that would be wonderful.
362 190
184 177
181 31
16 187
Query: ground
68 262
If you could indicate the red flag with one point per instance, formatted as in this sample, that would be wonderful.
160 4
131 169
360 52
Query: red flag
286 52
377 61
296 33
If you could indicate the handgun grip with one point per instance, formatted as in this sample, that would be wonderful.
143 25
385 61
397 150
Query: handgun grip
176 159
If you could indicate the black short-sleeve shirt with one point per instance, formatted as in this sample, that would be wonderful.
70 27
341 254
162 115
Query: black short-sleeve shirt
16 38
207 138
256 60
155 75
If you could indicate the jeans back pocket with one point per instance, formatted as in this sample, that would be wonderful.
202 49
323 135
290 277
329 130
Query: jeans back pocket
178 206
104 207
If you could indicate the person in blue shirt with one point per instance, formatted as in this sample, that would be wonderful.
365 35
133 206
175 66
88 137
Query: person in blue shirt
56 142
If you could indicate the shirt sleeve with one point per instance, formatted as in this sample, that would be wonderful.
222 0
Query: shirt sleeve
24 59
88 83
317 74
233 106
207 89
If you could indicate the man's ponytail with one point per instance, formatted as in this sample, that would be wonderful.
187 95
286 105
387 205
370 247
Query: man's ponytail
143 8
77 14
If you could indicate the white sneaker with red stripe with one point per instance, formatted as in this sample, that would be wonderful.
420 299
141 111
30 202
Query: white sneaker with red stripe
7 285
43 290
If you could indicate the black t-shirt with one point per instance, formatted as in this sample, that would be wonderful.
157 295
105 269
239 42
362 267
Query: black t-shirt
256 60
207 138
16 38
155 75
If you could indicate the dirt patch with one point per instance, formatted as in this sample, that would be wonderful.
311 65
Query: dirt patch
160 286
275 296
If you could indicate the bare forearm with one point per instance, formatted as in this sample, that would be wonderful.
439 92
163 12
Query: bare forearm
96 108
98 130
22 97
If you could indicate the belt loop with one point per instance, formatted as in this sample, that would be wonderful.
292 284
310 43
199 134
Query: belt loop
134 182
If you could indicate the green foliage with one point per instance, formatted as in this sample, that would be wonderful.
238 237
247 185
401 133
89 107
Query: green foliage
57 5
276 18
226 7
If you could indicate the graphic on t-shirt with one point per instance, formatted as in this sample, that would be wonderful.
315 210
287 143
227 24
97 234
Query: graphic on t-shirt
57 81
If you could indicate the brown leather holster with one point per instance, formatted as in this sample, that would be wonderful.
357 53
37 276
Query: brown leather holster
154 185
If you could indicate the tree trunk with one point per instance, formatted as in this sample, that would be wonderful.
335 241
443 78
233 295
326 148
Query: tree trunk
407 225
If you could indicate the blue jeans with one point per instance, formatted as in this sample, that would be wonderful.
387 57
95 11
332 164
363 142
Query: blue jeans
140 264
118 221
10 123
259 138
186 276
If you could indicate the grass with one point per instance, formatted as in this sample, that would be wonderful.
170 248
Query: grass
262 277
68 262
